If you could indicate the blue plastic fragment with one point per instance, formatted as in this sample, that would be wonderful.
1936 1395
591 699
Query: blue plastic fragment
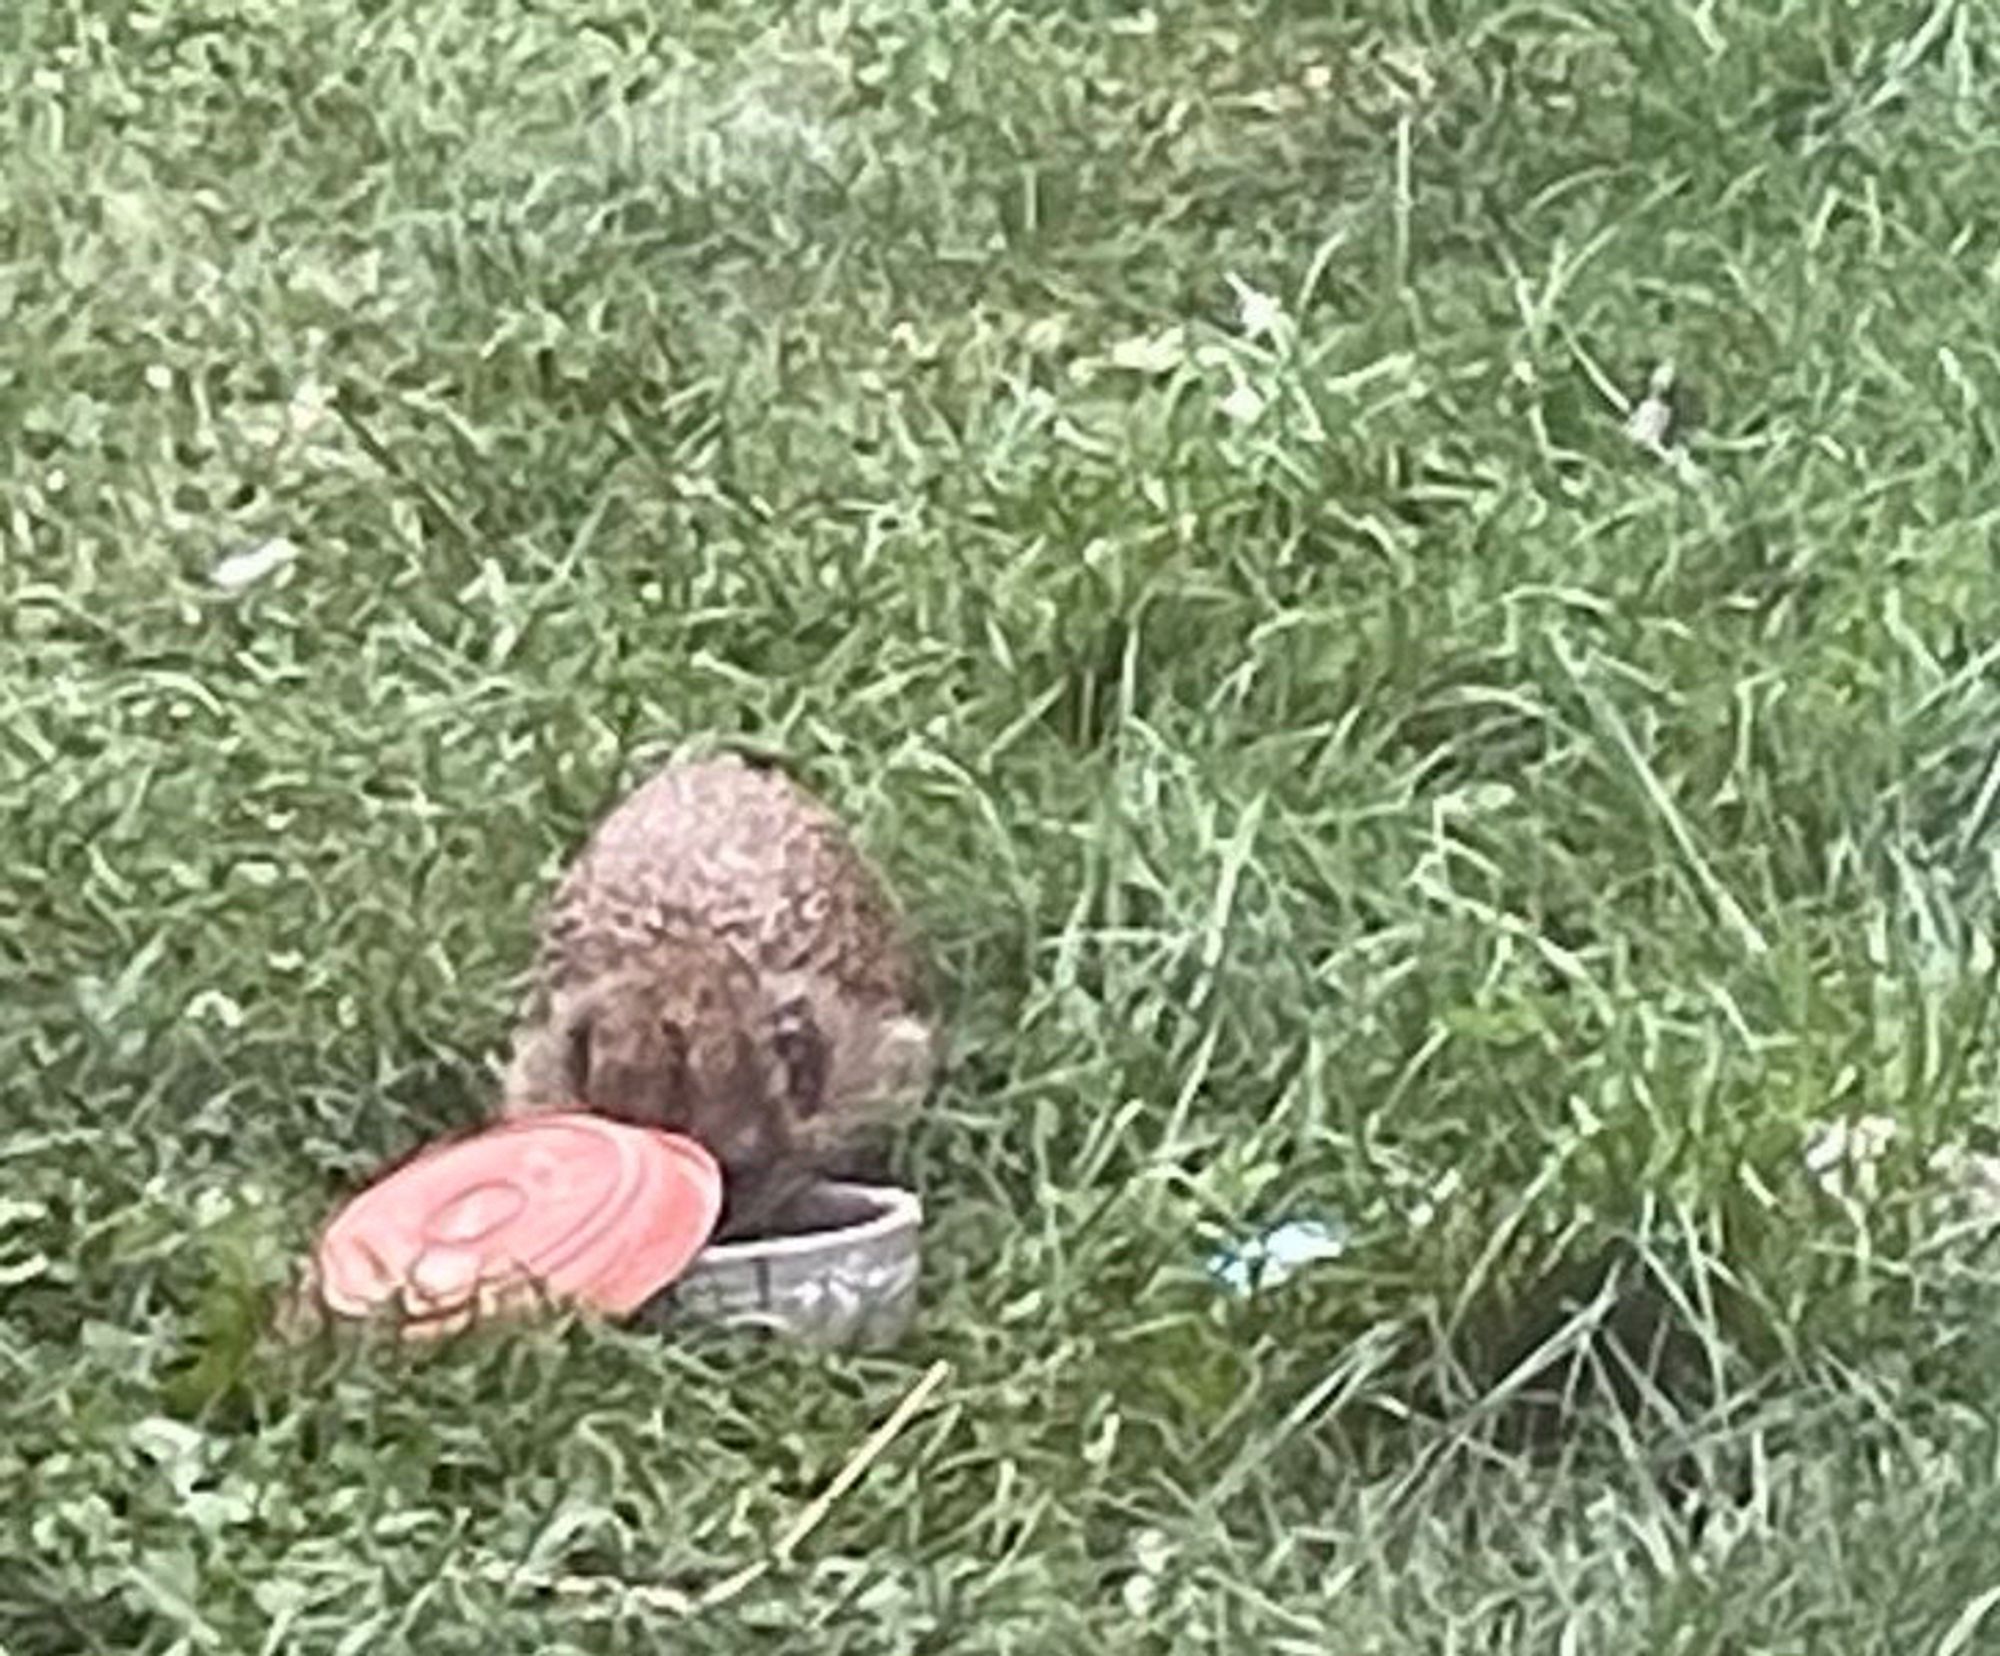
1266 1259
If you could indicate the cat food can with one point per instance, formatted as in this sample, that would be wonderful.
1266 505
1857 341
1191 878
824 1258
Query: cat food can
843 1272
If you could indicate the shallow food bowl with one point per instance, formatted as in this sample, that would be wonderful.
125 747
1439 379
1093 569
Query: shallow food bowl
842 1272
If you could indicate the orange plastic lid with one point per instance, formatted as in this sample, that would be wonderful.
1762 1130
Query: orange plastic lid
568 1207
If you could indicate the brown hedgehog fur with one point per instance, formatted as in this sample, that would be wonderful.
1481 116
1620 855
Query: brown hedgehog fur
721 961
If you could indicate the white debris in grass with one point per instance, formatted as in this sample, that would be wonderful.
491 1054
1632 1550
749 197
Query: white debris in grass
1157 353
1258 314
214 1005
253 564
1265 1260
308 407
1651 420
1152 1557
1243 403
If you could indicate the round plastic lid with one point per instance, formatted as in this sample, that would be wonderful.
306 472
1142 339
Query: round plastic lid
567 1207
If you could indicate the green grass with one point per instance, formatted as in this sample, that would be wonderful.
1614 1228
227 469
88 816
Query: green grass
1414 803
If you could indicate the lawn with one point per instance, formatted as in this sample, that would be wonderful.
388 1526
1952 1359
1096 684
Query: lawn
1165 474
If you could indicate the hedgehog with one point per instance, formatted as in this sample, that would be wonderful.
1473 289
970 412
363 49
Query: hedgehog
721 961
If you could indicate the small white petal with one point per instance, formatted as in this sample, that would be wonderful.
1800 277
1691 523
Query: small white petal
242 569
1301 1243
1257 312
1159 353
1826 1148
1243 403
212 1003
309 405
1140 1593
1649 423
1651 420
1152 1552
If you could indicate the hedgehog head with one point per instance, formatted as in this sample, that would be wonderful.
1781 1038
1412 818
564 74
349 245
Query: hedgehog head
686 1038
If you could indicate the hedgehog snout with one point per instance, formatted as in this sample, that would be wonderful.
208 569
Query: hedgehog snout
641 1096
